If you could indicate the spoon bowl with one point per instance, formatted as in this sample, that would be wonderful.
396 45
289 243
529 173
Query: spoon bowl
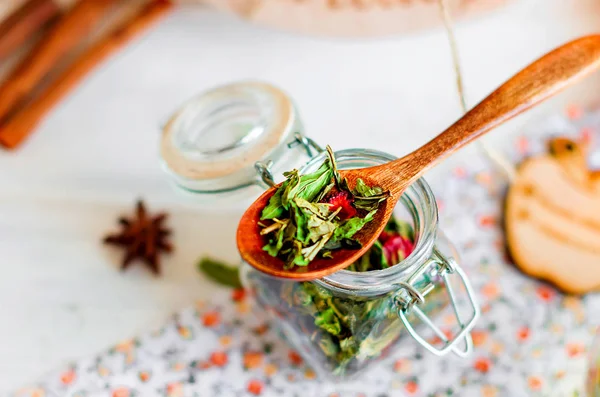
249 229
537 82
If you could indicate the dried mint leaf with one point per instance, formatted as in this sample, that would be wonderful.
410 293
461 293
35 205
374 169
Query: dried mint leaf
311 252
352 226
362 190
404 229
311 185
318 228
328 321
220 273
291 188
321 210
276 244
274 208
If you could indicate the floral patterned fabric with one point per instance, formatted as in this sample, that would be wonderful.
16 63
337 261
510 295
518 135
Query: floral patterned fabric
530 341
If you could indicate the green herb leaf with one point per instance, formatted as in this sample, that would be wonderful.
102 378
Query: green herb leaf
322 210
362 190
349 345
311 252
332 162
352 226
324 192
368 198
274 208
220 272
377 257
295 257
318 228
328 321
275 245
291 188
300 296
311 185
325 253
316 291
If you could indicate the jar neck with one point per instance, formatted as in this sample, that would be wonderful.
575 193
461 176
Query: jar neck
417 202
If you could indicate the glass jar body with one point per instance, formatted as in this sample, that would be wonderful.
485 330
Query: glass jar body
344 323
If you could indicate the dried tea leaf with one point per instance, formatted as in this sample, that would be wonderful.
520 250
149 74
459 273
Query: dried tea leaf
301 222
404 229
316 291
220 273
333 163
325 253
301 296
276 244
377 257
368 198
317 228
274 208
311 185
352 226
348 330
324 192
311 252
349 346
277 224
295 257
328 321
322 210
362 190
291 188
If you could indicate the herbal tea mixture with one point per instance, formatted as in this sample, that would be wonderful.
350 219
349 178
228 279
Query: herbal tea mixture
350 329
314 214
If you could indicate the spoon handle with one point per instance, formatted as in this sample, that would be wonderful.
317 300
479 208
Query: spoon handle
537 82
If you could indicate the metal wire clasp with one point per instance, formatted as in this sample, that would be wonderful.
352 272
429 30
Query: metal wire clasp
263 168
309 144
408 298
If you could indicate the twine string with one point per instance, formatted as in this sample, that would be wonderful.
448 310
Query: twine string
496 157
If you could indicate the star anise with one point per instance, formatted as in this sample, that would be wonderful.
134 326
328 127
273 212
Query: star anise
144 237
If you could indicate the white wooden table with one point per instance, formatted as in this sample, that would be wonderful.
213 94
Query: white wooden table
61 295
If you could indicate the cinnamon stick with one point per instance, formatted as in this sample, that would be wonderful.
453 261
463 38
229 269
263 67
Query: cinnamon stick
22 123
70 31
24 22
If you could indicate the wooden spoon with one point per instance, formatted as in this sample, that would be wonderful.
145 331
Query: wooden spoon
537 82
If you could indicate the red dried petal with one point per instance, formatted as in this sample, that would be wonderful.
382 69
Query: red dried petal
342 200
397 247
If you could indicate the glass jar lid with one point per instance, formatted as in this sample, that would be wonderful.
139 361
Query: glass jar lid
212 143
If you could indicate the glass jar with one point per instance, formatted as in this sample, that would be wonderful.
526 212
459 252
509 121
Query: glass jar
348 320
225 146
